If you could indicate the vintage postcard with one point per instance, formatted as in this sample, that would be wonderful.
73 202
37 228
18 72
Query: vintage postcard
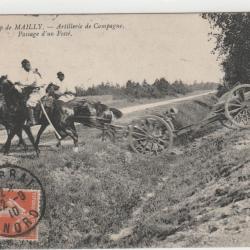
125 130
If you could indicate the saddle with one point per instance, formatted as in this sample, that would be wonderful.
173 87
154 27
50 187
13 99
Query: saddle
47 102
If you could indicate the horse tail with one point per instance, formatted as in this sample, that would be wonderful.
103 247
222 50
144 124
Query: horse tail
117 113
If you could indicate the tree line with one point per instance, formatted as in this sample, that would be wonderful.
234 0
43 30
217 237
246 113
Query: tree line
231 32
159 89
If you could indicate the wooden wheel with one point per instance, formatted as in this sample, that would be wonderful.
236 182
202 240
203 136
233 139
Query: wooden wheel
150 135
237 106
108 132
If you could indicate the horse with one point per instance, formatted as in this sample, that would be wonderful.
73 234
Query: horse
61 120
17 114
62 115
3 121
13 113
78 110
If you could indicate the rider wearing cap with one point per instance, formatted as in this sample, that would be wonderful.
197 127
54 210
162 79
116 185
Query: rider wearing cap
32 78
66 95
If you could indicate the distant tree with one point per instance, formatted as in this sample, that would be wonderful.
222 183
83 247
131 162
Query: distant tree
232 34
179 87
79 91
146 89
156 93
160 88
130 88
163 86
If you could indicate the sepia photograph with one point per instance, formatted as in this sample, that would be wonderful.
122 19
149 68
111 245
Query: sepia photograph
125 130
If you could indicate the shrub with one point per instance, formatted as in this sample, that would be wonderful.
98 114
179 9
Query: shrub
159 89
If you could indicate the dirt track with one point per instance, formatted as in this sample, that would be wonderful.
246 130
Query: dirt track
161 103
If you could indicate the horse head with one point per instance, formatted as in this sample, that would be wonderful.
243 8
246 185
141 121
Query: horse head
52 87
4 78
52 90
6 86
106 112
2 100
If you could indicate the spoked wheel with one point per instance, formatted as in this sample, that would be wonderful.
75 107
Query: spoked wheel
237 106
108 133
150 135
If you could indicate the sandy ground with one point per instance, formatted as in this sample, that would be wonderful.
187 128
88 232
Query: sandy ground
161 103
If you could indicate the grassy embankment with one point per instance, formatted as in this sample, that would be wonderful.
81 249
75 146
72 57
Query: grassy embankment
106 196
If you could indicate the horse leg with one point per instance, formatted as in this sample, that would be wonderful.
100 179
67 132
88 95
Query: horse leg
103 134
6 147
21 140
59 144
75 140
19 134
75 137
7 130
71 131
40 132
31 138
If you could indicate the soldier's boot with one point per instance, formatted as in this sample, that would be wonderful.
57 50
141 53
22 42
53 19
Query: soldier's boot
31 121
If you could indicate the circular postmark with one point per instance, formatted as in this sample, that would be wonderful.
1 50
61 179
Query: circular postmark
22 202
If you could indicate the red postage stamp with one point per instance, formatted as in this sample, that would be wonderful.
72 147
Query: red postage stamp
19 213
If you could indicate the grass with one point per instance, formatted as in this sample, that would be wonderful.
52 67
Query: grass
106 188
93 195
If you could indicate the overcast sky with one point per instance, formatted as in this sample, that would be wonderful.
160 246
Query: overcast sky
174 46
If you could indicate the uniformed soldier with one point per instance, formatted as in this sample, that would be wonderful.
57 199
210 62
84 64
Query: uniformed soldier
33 78
66 95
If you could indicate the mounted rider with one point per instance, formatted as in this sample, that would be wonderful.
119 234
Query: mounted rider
32 78
58 90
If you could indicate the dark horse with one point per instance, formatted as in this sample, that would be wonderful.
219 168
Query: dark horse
77 110
13 114
16 115
4 120
62 115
